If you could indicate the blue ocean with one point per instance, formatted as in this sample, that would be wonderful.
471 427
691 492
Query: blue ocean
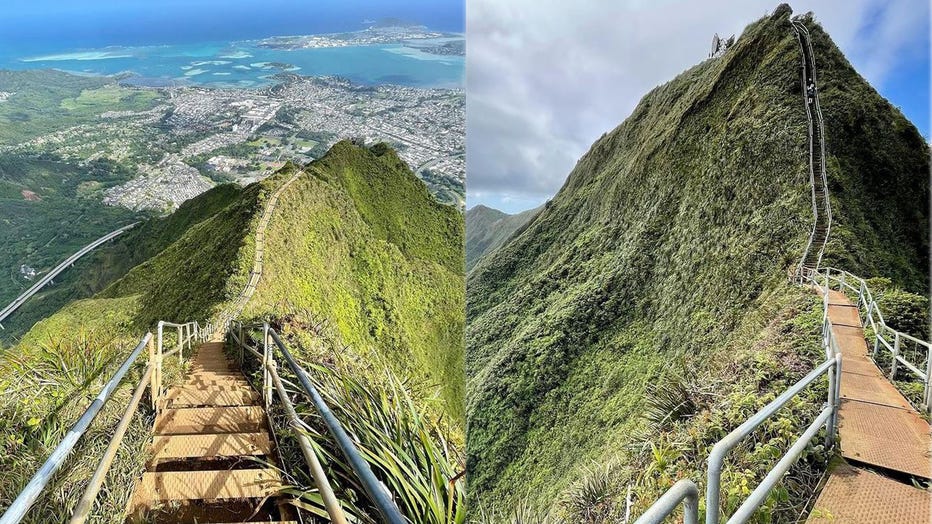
215 43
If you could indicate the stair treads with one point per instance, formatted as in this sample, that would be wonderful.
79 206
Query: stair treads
201 395
214 445
207 485
237 419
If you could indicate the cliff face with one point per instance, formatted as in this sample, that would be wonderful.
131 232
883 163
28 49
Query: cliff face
675 230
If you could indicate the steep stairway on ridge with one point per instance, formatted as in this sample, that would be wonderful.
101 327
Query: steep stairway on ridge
820 202
884 442
209 433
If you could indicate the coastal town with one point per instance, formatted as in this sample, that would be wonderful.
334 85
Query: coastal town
193 137
380 33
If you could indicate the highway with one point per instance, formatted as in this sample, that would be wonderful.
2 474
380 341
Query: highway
20 300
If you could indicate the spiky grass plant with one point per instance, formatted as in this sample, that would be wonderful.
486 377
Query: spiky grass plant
45 386
405 442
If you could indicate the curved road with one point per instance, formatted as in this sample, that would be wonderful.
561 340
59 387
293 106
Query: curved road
13 306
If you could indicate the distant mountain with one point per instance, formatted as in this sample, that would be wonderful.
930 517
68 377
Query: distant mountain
646 311
488 228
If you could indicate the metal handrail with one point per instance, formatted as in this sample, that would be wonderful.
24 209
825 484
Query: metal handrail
40 480
832 369
827 417
374 488
870 311
331 503
684 491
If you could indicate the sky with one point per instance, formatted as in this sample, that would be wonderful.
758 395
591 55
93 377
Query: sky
546 78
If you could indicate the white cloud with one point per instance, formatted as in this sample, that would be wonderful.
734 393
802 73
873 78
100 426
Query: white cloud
546 78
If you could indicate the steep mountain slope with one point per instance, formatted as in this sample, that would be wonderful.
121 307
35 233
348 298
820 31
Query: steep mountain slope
659 270
488 228
356 239
111 261
360 241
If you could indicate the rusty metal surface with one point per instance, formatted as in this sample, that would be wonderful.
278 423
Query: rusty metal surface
855 496
231 419
876 424
867 388
216 445
207 485
884 436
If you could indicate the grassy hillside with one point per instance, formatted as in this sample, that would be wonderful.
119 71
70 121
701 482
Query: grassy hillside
197 260
359 241
101 267
488 228
660 267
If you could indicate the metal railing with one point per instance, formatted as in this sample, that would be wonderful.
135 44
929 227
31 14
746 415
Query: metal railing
802 34
900 345
151 378
378 493
685 492
826 418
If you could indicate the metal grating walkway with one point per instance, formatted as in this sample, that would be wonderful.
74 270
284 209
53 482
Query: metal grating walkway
209 433
879 429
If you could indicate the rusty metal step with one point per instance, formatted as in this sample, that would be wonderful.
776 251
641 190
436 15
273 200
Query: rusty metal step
199 395
888 437
855 496
216 445
166 486
236 419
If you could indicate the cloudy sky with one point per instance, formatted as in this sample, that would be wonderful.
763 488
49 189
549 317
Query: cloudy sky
546 78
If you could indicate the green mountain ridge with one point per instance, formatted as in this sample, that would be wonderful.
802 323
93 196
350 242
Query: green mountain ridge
661 266
488 228
356 240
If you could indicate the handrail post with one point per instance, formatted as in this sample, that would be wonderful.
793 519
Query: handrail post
870 309
928 392
242 343
180 346
896 353
153 377
266 379
714 484
834 389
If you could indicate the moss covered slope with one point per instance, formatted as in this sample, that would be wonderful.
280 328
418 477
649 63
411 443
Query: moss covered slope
665 254
109 262
360 241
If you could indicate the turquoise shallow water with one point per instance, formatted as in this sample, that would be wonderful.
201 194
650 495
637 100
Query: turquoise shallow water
243 64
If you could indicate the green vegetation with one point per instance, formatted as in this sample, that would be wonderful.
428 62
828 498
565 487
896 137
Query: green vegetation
645 312
391 288
45 101
111 261
49 210
488 228
360 241
411 449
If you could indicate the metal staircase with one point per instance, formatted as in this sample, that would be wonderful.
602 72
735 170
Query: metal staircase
880 432
821 206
